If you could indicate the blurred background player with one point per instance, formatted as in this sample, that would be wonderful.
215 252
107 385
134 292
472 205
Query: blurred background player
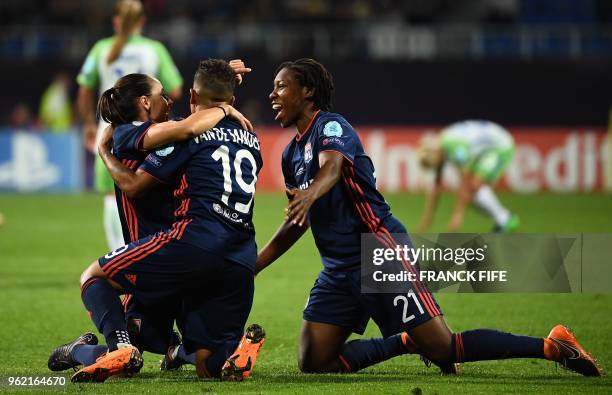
111 58
55 112
481 150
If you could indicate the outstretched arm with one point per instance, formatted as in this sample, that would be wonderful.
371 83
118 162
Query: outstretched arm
465 194
160 134
330 169
285 237
431 202
296 213
85 109
133 184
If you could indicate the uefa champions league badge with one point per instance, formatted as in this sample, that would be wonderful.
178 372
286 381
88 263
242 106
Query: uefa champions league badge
332 129
307 153
165 151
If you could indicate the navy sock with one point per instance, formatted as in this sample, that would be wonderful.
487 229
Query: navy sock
86 354
488 344
184 357
359 354
104 306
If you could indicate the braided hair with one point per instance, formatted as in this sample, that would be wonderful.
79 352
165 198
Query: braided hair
313 74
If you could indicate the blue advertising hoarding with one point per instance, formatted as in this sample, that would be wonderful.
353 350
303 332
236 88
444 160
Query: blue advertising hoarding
41 162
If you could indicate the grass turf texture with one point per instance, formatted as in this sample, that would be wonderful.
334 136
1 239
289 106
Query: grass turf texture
49 239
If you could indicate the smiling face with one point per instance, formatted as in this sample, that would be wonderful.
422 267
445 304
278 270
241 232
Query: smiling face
290 100
158 103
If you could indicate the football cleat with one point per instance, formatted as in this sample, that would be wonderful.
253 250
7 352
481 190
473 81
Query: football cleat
123 361
170 360
450 369
239 366
60 358
510 226
562 347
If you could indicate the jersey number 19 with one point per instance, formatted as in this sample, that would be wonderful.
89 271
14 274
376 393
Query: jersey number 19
222 154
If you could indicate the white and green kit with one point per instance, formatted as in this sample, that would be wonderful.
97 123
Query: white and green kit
483 148
139 55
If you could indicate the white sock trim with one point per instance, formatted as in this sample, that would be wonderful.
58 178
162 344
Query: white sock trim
112 224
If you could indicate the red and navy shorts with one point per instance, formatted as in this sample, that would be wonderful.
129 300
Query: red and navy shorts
336 296
216 294
158 267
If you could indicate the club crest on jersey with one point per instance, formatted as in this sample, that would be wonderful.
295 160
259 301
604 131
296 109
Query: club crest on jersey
332 129
165 151
307 153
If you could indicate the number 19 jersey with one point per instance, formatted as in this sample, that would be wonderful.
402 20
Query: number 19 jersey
215 176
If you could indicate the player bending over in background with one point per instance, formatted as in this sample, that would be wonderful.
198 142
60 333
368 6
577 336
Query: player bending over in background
331 188
481 150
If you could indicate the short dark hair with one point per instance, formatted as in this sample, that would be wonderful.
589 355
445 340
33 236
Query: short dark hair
216 78
313 74
117 105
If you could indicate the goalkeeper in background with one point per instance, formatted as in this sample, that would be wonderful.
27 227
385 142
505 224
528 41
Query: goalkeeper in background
481 150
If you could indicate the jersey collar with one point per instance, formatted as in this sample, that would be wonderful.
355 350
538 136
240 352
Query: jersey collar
299 136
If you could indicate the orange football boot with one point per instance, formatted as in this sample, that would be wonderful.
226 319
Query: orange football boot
239 366
125 361
562 346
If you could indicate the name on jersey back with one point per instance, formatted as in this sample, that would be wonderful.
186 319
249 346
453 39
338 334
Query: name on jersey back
238 136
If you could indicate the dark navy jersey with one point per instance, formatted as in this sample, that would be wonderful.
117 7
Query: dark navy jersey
153 212
353 206
215 174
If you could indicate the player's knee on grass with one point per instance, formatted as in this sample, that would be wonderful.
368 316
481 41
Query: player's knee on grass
320 346
434 340
309 363
314 358
312 364
202 356
439 351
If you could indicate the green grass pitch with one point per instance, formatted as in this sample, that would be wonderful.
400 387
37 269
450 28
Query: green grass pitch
48 239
